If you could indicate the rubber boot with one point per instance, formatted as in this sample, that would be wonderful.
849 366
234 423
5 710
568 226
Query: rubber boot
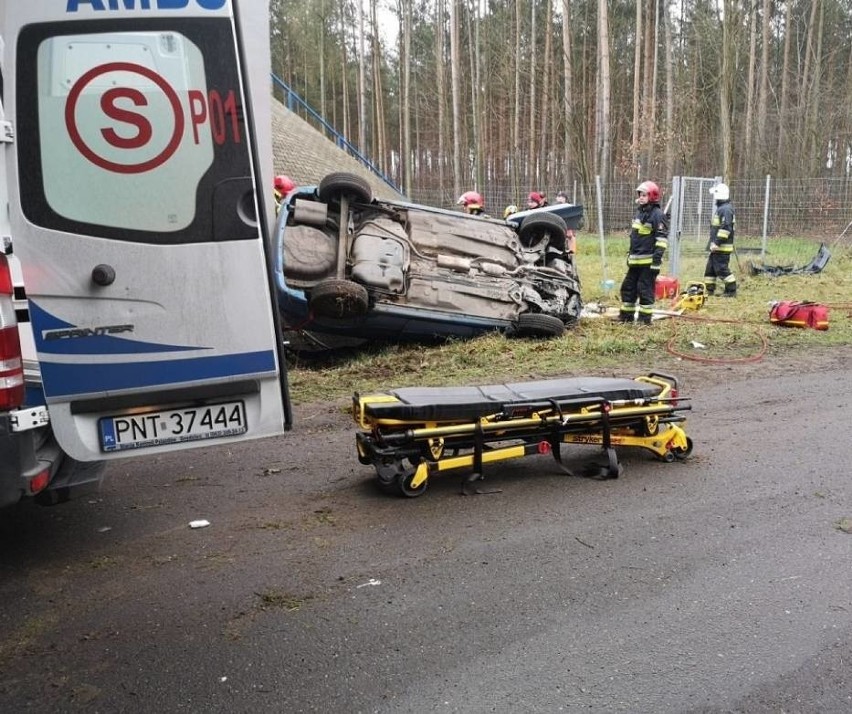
730 290
710 287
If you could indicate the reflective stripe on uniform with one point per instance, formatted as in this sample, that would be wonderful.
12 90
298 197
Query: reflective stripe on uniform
643 229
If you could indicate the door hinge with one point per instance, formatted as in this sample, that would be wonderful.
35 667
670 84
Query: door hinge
7 132
26 419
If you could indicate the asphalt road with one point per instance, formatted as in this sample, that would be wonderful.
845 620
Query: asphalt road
717 585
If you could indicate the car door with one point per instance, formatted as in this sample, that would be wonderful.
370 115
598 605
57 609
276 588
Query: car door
138 212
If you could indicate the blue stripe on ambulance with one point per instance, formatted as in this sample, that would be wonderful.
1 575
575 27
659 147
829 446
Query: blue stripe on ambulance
69 380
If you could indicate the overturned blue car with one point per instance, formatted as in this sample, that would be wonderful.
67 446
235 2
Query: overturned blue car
351 265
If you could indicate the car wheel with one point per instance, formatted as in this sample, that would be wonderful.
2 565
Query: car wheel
339 299
335 185
534 228
534 324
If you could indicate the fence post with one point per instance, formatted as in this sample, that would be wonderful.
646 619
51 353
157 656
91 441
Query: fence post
765 220
675 226
606 284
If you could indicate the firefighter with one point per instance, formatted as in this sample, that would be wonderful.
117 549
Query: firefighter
648 243
536 199
570 236
283 186
718 269
472 203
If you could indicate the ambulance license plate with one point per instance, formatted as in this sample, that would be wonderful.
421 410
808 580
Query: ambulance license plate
172 426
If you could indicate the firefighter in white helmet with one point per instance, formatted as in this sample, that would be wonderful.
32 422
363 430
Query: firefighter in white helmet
718 268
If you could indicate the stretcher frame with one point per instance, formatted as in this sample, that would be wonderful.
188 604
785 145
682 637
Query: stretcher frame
408 436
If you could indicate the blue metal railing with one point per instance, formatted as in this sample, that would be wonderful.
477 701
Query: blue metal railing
294 103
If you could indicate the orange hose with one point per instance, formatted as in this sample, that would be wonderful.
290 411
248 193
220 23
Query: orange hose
716 360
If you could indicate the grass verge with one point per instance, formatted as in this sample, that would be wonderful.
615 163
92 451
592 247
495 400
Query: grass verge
726 330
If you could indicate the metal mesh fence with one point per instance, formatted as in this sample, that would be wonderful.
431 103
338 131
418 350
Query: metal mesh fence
767 210
812 208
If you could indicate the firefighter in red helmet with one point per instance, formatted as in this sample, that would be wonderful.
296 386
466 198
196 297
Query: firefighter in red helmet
536 199
648 242
472 202
283 186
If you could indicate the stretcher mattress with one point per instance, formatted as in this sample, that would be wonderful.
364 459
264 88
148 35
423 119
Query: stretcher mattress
437 404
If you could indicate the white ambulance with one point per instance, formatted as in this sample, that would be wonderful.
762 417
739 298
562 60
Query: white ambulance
136 309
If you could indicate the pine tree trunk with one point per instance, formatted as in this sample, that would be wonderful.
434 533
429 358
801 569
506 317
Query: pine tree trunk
603 129
784 119
572 156
532 164
746 159
637 85
362 82
405 60
455 69
763 83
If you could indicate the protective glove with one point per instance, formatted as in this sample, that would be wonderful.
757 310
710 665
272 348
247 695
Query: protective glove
713 247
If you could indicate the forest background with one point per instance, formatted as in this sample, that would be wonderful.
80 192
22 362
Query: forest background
508 97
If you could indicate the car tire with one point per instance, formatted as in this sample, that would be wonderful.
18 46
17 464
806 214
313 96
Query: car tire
339 299
534 324
339 184
535 227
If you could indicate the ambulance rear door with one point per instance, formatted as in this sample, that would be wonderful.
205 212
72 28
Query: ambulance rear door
139 212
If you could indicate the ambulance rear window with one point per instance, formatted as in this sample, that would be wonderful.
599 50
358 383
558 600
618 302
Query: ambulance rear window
140 131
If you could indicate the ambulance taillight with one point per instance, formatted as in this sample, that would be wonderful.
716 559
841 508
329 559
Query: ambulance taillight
11 361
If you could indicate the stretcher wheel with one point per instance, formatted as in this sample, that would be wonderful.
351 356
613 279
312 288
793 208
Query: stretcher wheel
683 453
403 483
395 476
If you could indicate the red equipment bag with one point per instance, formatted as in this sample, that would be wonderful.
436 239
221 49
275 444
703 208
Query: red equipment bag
790 313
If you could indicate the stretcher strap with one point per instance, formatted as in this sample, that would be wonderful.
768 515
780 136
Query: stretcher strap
478 446
477 475
556 448
612 469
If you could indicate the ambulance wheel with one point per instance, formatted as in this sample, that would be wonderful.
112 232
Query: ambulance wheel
339 184
534 324
683 453
339 299
535 227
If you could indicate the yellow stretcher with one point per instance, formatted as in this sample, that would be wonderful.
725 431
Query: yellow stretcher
408 435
